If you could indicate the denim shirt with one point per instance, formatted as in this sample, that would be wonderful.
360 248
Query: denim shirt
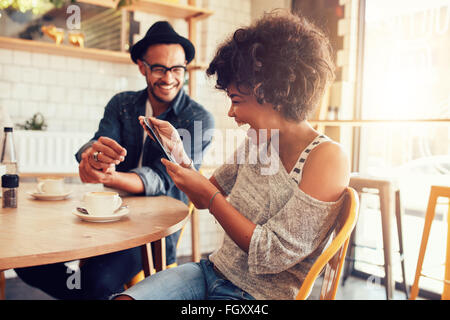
120 122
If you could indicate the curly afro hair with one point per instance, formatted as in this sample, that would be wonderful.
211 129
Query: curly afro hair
282 58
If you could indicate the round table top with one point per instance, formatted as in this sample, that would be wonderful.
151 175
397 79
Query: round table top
42 231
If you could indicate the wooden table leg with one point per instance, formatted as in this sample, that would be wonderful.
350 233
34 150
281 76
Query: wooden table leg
195 236
147 259
2 285
160 254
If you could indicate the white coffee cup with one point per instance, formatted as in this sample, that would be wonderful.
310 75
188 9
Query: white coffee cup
51 185
101 203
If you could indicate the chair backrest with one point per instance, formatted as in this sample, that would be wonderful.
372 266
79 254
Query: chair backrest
333 257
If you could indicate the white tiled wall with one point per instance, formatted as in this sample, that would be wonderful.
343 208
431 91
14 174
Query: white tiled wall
71 93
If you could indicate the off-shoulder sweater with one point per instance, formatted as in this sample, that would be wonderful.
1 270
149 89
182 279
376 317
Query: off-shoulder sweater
292 228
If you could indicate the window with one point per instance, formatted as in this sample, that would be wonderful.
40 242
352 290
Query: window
406 75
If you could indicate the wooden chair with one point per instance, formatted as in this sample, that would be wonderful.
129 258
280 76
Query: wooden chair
435 193
333 257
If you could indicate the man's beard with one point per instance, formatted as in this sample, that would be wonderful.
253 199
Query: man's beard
150 89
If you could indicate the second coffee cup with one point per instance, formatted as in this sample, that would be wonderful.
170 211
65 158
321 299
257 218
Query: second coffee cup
101 203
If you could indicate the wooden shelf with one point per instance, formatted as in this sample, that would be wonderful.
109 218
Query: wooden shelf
159 7
168 9
101 3
64 50
70 51
360 123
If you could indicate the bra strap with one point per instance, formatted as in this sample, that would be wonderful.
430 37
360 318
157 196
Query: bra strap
296 173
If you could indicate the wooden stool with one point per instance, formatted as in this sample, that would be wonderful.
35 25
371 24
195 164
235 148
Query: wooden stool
435 192
389 195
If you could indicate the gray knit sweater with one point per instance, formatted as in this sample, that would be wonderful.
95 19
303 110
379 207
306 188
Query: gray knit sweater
292 228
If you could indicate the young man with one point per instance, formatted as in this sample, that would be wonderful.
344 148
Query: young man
122 157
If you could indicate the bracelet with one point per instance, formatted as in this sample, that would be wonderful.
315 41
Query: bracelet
211 200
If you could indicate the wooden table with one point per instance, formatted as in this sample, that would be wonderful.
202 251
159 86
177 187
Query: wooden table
42 232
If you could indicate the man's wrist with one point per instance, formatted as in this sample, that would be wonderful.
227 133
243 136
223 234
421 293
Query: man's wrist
111 178
191 165
130 182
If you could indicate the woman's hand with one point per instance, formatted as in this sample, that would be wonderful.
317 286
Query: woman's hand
200 191
170 138
195 185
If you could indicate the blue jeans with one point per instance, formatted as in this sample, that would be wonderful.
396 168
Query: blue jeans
100 276
190 281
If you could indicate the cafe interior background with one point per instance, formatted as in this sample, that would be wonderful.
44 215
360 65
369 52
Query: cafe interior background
389 105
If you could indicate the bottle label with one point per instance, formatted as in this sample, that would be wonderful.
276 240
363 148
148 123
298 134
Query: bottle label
10 167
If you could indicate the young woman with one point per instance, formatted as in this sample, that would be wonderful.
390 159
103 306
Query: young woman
277 223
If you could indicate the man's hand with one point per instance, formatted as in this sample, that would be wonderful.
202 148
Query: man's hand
89 174
99 161
108 152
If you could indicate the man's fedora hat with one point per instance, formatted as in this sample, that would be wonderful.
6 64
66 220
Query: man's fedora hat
161 32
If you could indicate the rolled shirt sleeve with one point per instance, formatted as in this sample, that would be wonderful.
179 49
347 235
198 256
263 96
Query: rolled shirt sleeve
154 185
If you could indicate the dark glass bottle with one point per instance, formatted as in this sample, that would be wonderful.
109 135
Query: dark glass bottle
10 183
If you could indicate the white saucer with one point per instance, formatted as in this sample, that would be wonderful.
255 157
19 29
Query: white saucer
119 214
49 196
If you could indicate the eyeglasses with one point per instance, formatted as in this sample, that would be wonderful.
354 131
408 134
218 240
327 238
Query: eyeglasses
159 71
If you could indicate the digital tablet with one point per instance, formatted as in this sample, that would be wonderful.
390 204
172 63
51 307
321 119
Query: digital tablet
154 133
